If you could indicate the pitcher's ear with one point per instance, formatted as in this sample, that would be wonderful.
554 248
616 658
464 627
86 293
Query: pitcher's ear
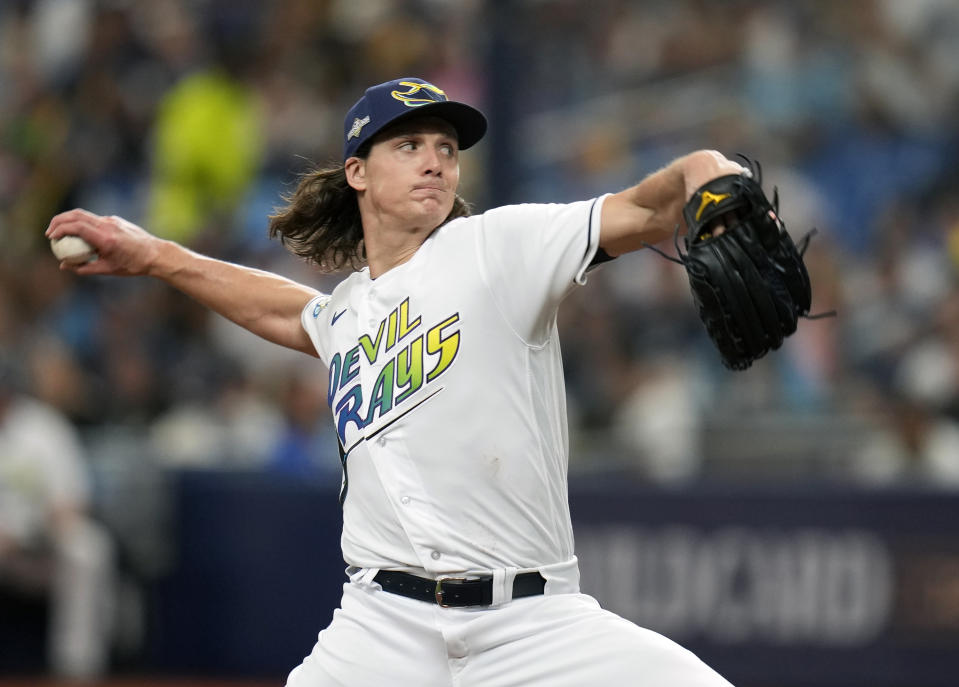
355 169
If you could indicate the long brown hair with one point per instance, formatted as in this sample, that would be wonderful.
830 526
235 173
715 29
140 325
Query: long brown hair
321 221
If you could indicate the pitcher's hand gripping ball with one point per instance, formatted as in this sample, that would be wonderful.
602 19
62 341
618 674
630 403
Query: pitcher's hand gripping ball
748 279
72 250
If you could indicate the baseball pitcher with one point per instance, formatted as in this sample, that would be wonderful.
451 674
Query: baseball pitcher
446 387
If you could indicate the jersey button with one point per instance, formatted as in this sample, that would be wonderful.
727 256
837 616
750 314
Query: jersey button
381 441
435 555
405 500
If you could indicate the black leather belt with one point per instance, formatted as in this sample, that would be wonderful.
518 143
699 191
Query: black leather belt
455 591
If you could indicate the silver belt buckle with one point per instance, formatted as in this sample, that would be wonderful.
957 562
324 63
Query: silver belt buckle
438 593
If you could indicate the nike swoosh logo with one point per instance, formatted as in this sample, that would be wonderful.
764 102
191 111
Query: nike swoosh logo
336 316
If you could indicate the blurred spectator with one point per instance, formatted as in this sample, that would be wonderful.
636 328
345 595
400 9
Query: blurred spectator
208 143
231 424
49 544
660 420
307 446
911 444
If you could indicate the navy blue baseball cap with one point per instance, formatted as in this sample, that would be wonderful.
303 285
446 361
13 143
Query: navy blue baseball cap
398 99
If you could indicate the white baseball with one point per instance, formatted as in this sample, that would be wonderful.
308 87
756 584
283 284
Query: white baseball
72 250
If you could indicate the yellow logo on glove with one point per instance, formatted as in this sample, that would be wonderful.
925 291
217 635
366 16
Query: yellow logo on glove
707 198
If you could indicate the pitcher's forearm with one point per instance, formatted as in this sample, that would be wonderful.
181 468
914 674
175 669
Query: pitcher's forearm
649 212
267 304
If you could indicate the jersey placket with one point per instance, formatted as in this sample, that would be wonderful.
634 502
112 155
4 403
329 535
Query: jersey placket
398 471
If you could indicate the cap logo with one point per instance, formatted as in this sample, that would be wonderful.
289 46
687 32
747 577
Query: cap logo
357 127
419 94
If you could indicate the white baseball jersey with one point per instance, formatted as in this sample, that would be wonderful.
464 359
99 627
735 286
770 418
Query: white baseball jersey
446 386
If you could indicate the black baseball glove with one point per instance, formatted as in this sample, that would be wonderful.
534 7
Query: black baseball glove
747 276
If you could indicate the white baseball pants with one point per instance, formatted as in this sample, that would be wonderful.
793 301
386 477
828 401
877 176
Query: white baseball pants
379 639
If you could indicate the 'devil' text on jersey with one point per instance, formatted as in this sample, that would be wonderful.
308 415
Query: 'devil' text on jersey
412 357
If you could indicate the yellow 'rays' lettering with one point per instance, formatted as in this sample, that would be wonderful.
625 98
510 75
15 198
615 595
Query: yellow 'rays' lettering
409 369
447 347
382 399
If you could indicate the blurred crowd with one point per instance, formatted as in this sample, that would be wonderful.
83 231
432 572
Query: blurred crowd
850 108
193 117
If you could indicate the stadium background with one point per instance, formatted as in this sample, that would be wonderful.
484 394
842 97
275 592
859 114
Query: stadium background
822 479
